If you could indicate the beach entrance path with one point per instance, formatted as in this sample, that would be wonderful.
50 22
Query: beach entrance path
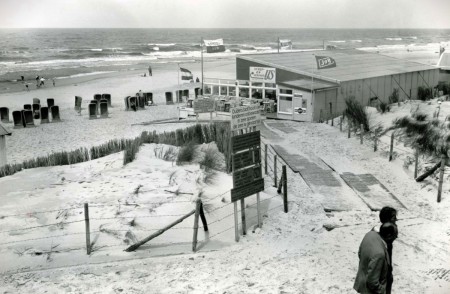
339 184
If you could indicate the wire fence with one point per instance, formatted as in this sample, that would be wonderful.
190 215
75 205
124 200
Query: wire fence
66 212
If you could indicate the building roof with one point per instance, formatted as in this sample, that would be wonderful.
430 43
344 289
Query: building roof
308 84
350 64
444 61
3 131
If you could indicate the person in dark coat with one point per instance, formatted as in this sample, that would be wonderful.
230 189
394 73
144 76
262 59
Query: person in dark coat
388 214
374 260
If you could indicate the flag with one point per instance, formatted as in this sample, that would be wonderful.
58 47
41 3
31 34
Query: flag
213 46
325 62
186 74
285 44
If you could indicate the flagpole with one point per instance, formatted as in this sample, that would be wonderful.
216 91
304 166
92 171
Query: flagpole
178 74
278 45
201 48
312 81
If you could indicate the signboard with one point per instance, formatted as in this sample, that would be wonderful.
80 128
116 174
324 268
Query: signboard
247 190
245 117
203 105
262 74
213 46
247 176
246 158
246 141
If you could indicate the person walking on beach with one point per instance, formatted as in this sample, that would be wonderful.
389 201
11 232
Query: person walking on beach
37 81
22 78
53 81
374 260
42 81
388 214
149 70
28 89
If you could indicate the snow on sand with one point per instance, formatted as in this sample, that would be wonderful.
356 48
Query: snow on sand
291 253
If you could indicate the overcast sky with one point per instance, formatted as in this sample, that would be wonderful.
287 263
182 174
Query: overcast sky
225 13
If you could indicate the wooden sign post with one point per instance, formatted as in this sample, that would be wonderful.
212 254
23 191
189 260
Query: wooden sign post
246 160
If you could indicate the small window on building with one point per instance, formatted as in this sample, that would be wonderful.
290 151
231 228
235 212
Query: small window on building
243 92
223 90
286 91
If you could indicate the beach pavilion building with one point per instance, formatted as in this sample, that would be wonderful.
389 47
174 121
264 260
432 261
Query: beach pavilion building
304 93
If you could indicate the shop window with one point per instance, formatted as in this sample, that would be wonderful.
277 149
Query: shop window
257 94
270 94
231 91
207 90
243 92
285 104
286 91
223 90
215 90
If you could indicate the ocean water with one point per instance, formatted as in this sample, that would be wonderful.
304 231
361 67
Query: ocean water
60 53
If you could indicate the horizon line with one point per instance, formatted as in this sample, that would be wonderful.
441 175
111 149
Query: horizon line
242 28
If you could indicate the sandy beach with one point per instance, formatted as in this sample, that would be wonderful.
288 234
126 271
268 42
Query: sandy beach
43 227
77 130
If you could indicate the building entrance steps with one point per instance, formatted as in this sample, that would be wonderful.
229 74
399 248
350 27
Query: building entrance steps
338 184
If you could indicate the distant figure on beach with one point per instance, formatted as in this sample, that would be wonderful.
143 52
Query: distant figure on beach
149 71
145 74
22 78
37 81
28 89
197 80
42 82
53 80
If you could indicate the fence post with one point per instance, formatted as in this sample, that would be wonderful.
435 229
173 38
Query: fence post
275 170
362 133
349 123
375 142
332 120
88 234
416 165
236 223
340 123
285 200
197 213
391 151
244 227
203 218
441 177
258 210
265 158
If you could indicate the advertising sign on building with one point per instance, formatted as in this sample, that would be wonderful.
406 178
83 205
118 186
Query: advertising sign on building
245 117
203 105
214 46
262 74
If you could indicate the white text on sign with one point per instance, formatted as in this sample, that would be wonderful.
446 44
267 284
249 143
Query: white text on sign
245 117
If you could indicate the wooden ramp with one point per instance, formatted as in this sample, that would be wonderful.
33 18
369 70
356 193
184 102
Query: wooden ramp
371 191
332 192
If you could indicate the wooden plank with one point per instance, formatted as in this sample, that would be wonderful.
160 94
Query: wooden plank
247 190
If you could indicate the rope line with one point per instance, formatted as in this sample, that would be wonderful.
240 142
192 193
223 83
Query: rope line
49 237
38 212
135 217
29 228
